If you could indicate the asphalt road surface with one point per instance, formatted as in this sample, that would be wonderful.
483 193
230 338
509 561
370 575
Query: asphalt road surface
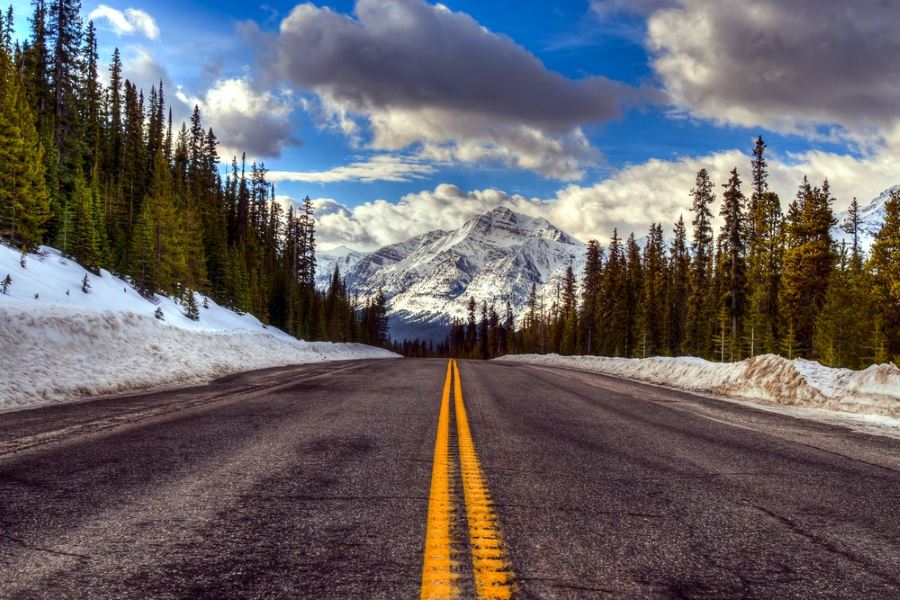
395 479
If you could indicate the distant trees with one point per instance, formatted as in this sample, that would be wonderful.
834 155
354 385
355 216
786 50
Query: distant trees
769 282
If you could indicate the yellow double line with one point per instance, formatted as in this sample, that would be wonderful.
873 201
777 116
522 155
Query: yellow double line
491 569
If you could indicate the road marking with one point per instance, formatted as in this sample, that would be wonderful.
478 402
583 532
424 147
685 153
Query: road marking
490 562
438 575
491 569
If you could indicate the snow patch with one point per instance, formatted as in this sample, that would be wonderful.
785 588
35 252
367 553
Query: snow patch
766 378
58 343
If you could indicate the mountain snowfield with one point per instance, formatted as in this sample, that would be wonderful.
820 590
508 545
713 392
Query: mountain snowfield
494 257
59 343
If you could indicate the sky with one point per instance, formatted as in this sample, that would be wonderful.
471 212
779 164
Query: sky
402 116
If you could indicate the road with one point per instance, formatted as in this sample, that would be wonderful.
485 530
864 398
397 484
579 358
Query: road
330 481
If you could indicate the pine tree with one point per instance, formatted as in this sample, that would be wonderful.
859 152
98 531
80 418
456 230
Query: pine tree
652 311
613 329
851 226
841 327
885 266
64 25
192 311
569 314
85 284
732 238
85 246
678 288
24 200
697 334
7 281
471 328
590 296
808 262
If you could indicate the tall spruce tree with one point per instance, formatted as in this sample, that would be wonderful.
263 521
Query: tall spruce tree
733 242
697 337
885 266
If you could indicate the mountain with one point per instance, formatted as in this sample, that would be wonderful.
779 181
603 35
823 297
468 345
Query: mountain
345 258
872 218
493 257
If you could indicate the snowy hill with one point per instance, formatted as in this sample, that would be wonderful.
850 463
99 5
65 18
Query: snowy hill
872 218
343 257
67 343
494 257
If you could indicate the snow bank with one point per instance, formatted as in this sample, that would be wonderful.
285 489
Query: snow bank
60 346
766 378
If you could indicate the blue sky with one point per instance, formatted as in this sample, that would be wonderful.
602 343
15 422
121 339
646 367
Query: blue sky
593 114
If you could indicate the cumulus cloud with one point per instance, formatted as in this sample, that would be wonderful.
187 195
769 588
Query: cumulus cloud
788 65
131 21
376 168
632 198
247 119
420 74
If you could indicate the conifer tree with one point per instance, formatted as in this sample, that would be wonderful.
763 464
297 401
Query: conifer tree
85 240
678 288
590 296
841 327
24 200
733 241
697 333
569 314
808 262
652 313
885 266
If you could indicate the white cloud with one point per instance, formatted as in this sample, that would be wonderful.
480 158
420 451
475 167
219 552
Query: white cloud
131 21
376 168
420 77
247 119
788 65
629 200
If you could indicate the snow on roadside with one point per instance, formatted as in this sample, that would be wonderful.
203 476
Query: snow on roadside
766 378
61 346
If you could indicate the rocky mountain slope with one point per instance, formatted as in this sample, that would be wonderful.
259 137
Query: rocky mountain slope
494 258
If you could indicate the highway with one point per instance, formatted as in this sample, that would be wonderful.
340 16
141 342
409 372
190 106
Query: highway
428 478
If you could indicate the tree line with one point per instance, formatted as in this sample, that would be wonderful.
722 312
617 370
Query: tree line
100 172
769 282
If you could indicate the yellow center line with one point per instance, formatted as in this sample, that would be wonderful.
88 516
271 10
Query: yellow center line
490 562
438 575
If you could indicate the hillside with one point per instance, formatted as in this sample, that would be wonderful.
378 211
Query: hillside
63 343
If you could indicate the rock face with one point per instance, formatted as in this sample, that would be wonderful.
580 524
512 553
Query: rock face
342 256
495 257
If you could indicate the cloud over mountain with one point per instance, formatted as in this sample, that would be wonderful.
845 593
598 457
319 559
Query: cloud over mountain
417 74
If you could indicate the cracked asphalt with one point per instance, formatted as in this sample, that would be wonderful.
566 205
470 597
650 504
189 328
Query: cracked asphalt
313 481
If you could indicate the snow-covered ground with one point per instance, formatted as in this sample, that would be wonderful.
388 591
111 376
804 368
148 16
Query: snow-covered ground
58 343
768 379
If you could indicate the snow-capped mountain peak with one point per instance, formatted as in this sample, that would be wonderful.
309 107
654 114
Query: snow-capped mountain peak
494 257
